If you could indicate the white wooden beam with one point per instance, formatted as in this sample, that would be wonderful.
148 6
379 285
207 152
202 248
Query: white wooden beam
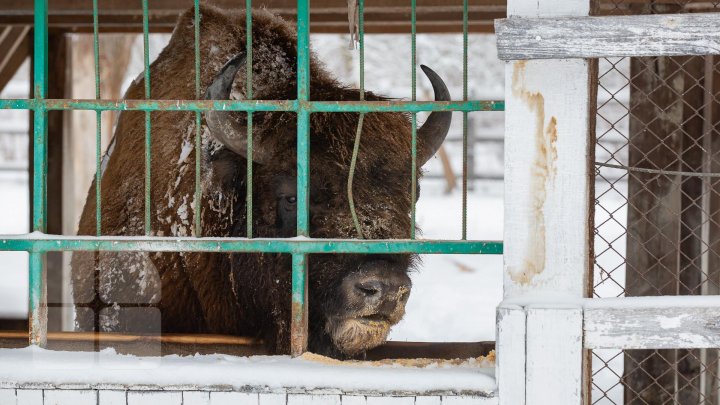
154 398
653 323
549 133
195 398
510 351
597 37
554 356
7 396
548 143
70 397
113 397
29 397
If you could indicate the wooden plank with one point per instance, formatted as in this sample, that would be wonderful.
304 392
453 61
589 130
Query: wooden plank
326 15
196 398
360 400
385 400
554 356
29 397
548 145
305 399
510 362
597 37
427 400
468 400
653 328
432 350
379 27
14 49
154 398
7 396
272 399
174 7
188 344
112 397
181 344
70 397
233 398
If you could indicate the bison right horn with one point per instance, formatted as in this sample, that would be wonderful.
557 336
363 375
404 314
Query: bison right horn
229 127
433 132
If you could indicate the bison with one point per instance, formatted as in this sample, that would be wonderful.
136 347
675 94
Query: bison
353 299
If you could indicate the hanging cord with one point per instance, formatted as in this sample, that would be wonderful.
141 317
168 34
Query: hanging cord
353 23
356 149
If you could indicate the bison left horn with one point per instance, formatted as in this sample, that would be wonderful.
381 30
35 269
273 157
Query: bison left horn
229 127
433 132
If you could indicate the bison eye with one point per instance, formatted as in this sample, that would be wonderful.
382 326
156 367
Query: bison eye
291 199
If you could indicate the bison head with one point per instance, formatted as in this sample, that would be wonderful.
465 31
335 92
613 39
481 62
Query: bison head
354 299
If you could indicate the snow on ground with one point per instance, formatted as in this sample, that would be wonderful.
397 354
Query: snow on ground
454 296
14 198
271 373
13 265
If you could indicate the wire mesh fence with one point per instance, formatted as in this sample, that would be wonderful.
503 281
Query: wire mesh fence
656 207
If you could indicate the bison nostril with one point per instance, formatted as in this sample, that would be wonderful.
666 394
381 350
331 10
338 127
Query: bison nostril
369 288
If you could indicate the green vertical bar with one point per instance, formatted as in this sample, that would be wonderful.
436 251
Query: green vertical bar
198 203
249 96
299 328
98 124
303 135
465 116
38 312
37 297
413 146
148 137
298 332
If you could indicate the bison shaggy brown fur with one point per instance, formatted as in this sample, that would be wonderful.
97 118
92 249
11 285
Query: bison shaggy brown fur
353 299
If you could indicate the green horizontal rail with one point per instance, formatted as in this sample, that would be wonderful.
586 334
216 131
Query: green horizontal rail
253 105
50 243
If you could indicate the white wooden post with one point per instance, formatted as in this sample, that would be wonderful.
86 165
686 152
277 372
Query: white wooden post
548 143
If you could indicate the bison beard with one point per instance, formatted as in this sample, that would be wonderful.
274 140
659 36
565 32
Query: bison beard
354 300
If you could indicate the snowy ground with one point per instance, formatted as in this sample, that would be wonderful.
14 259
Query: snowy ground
273 373
13 265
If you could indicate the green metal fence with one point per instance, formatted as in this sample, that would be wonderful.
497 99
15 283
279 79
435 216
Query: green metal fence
38 243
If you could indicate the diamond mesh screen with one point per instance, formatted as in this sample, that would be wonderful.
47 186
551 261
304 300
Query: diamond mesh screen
657 207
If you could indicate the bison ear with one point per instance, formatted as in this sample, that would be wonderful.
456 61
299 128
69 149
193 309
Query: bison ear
435 129
230 127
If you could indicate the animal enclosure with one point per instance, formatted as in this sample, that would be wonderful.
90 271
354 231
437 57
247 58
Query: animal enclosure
611 286
303 107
